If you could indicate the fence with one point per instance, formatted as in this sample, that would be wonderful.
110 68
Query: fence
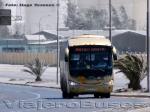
23 58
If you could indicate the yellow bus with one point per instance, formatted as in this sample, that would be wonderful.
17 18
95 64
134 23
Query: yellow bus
88 67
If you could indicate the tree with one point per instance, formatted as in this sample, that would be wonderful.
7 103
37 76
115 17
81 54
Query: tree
132 24
89 19
89 14
96 19
103 18
93 19
134 69
76 19
37 68
72 16
123 18
126 22
115 19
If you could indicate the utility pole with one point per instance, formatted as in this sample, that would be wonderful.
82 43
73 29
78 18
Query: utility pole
58 48
110 26
148 61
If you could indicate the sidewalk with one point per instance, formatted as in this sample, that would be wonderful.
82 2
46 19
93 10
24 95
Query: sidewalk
45 84
141 110
132 94
13 74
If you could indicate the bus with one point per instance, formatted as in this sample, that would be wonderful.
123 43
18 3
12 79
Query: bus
88 67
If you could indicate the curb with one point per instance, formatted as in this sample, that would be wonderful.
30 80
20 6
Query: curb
147 109
130 95
30 85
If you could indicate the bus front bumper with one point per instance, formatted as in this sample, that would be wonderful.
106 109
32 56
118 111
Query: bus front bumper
90 88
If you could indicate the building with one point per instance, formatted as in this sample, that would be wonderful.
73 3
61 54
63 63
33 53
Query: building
123 40
130 41
26 43
12 45
35 38
35 43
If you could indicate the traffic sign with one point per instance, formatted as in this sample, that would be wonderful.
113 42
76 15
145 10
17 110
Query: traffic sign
5 17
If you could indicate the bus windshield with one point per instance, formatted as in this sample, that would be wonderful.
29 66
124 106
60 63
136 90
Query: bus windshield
93 58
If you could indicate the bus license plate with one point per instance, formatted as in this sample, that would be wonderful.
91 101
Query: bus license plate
91 89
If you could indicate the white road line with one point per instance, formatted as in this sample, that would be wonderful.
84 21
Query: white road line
37 96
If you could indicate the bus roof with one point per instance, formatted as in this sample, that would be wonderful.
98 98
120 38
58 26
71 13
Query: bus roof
89 40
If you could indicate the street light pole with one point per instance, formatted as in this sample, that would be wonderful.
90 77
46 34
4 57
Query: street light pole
57 42
110 26
148 60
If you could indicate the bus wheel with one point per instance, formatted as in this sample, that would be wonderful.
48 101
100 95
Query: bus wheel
76 95
106 95
96 95
64 95
70 95
67 95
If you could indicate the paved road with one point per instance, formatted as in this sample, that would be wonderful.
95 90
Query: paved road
14 98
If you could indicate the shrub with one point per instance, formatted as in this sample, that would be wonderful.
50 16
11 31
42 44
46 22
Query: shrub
134 69
36 68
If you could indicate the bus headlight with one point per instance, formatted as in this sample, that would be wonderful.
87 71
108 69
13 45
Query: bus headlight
111 82
73 83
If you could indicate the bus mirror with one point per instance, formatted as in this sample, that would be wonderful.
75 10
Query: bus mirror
115 56
66 54
114 53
